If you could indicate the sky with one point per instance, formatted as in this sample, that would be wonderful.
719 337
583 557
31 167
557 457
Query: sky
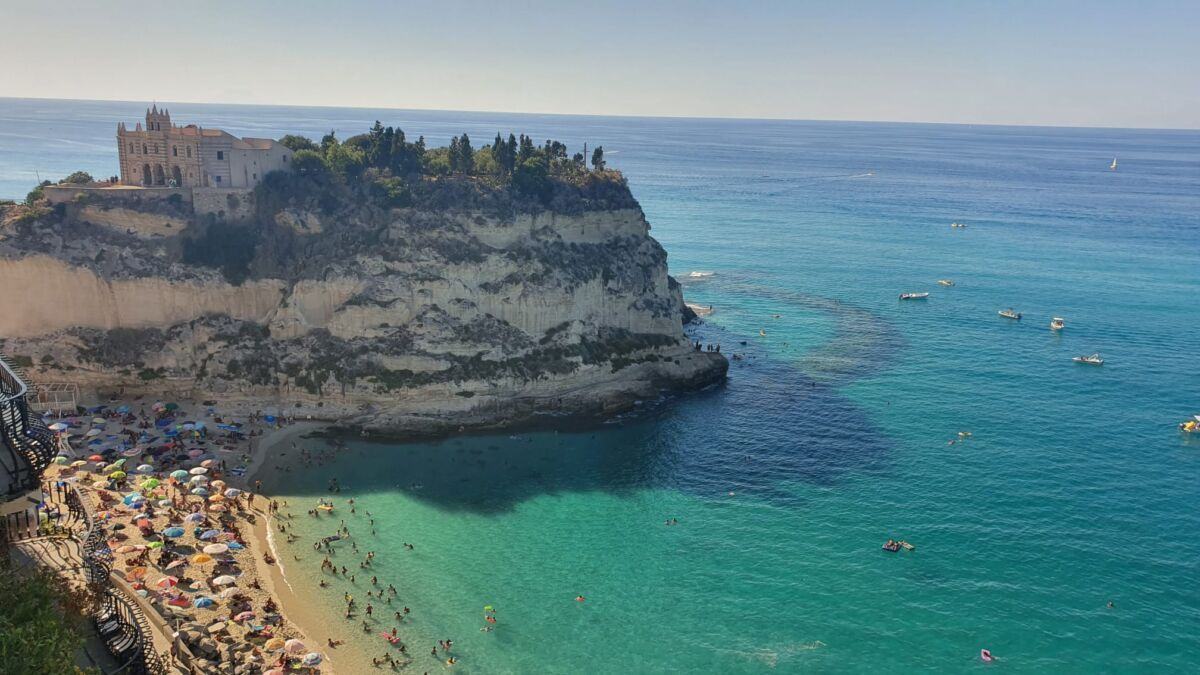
1045 62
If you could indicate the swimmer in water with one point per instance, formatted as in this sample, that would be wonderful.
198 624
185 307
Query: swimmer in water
579 598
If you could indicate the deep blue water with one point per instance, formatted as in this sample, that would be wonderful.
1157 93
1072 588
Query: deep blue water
1075 488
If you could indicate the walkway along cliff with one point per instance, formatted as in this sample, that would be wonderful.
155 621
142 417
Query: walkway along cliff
465 306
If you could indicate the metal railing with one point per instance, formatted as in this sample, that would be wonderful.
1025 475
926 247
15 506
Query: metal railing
119 620
26 445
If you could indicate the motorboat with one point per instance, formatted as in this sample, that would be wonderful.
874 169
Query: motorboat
945 282
1010 313
1057 323
913 296
1091 359
958 226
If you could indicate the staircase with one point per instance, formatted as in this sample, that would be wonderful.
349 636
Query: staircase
26 445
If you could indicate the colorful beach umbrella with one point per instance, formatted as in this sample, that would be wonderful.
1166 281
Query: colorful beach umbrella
311 659
293 646
224 580
179 474
201 558
203 602
232 492
117 475
61 460
274 644
198 471
166 582
175 563
216 549
199 491
59 426
144 468
173 532
149 483
210 534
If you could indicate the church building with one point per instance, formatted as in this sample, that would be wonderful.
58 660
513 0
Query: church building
161 154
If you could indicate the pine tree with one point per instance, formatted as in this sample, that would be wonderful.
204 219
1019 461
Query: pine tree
466 156
598 158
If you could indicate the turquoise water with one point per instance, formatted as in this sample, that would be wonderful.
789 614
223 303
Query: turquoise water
1074 490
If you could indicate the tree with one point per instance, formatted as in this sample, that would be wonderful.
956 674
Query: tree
598 158
35 195
78 178
309 163
297 143
453 155
466 156
531 178
328 140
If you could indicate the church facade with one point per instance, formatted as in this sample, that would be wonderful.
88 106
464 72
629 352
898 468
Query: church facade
161 154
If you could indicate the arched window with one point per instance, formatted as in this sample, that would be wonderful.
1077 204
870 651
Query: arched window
146 178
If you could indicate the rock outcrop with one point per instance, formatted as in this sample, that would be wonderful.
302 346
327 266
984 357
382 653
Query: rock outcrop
418 319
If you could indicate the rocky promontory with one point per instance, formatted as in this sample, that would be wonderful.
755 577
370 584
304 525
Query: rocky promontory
430 304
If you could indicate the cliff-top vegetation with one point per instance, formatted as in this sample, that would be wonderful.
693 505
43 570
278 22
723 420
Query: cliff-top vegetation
510 174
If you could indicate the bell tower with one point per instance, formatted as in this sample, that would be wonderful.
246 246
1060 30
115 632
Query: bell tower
158 120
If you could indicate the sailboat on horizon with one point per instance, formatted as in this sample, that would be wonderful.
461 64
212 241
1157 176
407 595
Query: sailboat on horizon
1114 165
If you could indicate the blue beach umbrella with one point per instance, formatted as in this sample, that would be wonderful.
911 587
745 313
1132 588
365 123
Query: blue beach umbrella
200 491
210 534
172 532
233 545
203 602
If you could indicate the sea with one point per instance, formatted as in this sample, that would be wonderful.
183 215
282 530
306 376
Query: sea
1052 506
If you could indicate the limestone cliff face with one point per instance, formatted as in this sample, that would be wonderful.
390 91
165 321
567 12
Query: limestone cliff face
397 319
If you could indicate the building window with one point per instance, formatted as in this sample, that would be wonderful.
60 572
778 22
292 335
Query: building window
220 155
156 148
255 176
218 179
285 159
174 150
131 148
143 148
189 151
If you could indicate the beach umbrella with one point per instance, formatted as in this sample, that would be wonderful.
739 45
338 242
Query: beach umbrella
92 433
123 409
78 463
175 563
166 582
216 498
224 580
59 426
95 458
164 503
234 546
274 644
144 468
119 462
198 481
218 483
208 463
137 572
216 549
99 420
229 592
127 548
311 659
193 518
179 474
209 534
243 616
199 491
198 471
195 453
61 460
232 492
171 406
154 544
173 532
131 452
117 475
149 483
221 508
203 602
201 558
293 646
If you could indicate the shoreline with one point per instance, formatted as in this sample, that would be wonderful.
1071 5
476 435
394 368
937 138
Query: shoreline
303 616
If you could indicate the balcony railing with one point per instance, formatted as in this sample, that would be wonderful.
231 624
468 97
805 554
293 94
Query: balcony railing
26 445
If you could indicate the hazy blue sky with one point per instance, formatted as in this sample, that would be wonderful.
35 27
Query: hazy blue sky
1093 62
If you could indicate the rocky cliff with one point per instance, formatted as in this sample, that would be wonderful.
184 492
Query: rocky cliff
462 310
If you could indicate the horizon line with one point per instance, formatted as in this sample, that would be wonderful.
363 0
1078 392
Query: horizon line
620 115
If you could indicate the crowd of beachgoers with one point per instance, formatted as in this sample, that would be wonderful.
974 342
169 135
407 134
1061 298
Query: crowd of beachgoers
168 487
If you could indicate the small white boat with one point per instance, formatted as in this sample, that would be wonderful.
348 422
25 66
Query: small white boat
1113 167
958 226
1057 323
1092 359
945 282
913 296
1010 313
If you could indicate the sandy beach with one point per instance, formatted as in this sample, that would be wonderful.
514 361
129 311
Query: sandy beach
172 484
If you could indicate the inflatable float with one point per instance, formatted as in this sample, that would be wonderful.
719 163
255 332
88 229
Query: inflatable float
986 656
